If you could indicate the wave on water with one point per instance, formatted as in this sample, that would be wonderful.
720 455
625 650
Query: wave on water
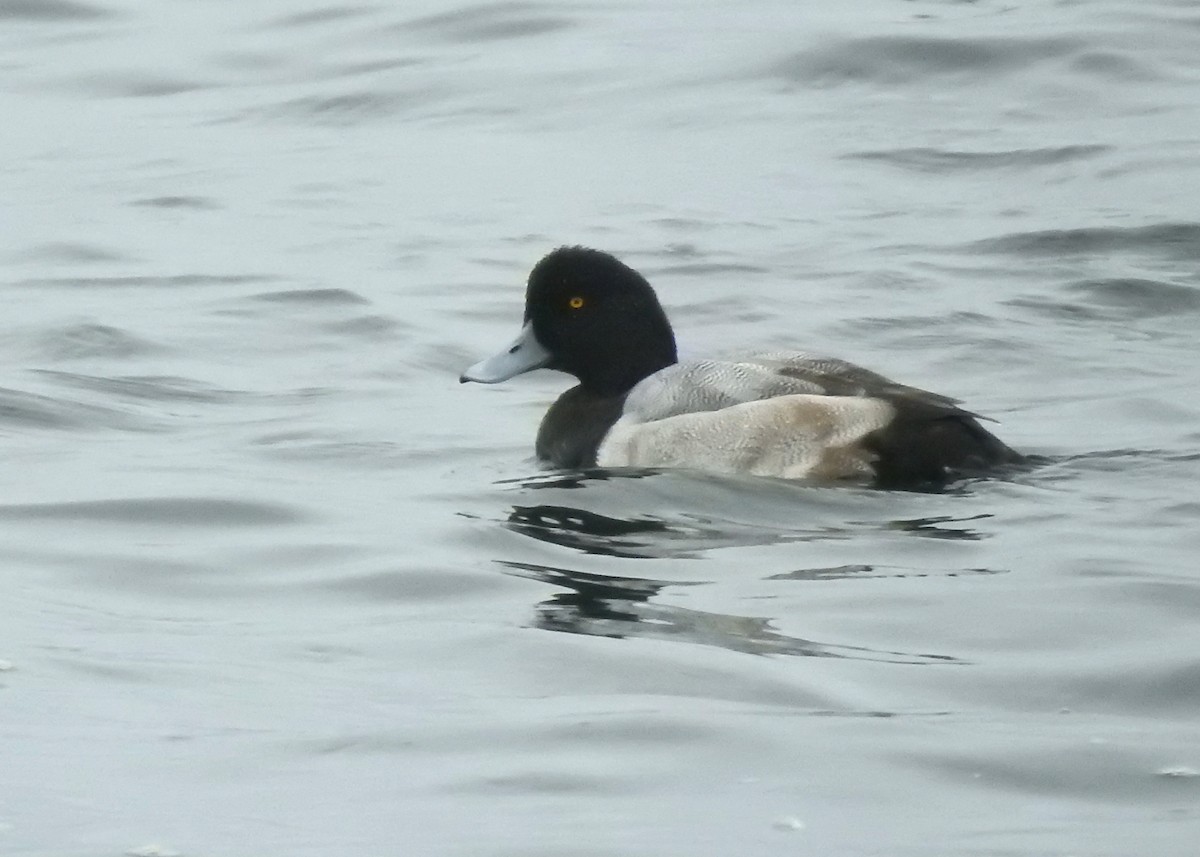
157 511
1177 241
1117 299
490 22
51 10
893 60
938 161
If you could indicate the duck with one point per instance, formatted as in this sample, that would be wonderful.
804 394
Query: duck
783 414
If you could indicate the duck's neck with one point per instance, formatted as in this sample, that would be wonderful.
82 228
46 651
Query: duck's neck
631 355
627 364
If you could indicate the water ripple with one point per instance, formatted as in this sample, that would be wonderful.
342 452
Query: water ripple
316 297
50 10
351 108
166 281
159 511
147 387
193 202
889 60
71 252
138 84
490 22
21 409
875 571
931 160
1117 299
322 16
87 341
1174 240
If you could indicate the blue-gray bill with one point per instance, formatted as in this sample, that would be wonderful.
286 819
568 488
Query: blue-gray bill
523 354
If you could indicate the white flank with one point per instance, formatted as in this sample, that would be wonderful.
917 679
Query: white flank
788 436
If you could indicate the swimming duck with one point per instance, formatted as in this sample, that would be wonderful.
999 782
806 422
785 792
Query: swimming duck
783 414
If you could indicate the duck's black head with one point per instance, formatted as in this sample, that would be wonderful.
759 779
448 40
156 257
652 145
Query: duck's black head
589 315
599 319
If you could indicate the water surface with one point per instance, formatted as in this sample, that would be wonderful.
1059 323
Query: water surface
277 584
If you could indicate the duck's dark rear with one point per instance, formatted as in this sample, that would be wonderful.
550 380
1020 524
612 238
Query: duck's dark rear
929 445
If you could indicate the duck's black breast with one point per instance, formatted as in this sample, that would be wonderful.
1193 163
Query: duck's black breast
575 426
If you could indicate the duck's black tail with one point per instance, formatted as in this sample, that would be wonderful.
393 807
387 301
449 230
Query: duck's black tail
928 445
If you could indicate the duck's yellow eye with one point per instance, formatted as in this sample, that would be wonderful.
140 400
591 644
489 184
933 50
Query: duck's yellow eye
575 302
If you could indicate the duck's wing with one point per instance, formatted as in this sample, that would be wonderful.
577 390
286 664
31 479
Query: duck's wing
698 386
712 385
834 377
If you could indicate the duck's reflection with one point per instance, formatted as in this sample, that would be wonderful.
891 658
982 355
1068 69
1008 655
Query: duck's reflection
935 527
573 479
605 606
599 534
650 537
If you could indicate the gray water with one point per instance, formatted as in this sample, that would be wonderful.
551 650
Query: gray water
275 584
